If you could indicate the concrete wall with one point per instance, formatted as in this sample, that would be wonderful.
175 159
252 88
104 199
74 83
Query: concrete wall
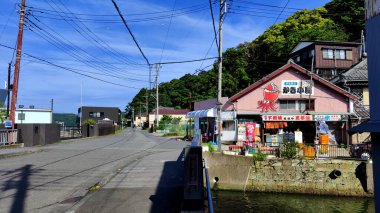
291 176
38 134
97 130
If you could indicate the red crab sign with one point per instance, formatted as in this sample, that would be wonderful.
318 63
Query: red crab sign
270 97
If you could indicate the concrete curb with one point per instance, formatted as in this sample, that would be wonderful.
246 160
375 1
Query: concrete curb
16 154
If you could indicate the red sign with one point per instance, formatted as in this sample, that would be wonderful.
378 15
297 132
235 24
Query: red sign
270 97
288 118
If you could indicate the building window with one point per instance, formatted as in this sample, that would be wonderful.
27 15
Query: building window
328 54
340 54
91 114
304 105
287 104
297 105
311 53
297 58
337 54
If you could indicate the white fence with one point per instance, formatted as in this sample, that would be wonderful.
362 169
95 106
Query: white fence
8 137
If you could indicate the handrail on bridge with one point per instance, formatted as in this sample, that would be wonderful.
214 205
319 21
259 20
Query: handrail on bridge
209 195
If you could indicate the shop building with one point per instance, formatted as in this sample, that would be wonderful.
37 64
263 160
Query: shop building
289 105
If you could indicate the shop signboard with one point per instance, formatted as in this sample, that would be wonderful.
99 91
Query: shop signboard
241 132
287 118
298 136
327 117
296 87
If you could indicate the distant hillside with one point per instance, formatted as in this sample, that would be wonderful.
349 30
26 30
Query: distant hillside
339 20
69 119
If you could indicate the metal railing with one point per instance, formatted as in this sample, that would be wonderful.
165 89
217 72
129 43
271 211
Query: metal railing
209 195
331 151
68 132
8 136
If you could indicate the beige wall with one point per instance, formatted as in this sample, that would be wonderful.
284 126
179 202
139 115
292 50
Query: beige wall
138 121
365 97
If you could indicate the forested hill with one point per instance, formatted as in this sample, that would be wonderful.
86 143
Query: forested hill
339 20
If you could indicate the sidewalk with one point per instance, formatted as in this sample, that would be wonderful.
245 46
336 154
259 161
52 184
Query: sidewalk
6 152
152 183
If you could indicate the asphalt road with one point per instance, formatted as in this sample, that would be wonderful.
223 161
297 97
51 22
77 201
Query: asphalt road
137 172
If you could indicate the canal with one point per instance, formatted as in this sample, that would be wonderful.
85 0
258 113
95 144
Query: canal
226 201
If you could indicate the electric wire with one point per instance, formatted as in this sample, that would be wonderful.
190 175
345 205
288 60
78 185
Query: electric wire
69 69
89 35
130 32
58 43
287 2
167 31
213 24
53 12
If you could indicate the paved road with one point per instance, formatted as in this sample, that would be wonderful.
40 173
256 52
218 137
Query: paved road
57 178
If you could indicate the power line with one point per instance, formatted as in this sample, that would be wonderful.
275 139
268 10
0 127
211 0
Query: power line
264 5
287 2
167 31
130 32
69 69
188 61
213 24
42 10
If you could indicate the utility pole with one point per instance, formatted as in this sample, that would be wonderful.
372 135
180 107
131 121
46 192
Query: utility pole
158 66
133 117
17 65
219 104
140 115
9 88
147 110
52 104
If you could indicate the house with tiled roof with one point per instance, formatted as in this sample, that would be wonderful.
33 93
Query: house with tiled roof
355 80
175 113
292 100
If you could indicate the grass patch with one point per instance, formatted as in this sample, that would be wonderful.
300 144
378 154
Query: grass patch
171 134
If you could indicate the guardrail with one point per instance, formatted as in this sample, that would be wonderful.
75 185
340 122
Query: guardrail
8 136
330 151
209 195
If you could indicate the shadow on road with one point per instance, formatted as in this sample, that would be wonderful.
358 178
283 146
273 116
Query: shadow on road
169 192
20 184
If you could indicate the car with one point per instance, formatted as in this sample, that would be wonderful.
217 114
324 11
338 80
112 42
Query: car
361 150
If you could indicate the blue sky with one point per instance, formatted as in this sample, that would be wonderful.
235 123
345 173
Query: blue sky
88 37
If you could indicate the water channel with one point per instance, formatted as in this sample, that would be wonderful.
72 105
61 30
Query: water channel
226 201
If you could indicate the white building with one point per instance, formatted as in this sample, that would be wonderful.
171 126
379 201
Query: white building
33 116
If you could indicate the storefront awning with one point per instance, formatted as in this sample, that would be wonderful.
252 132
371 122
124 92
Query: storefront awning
368 126
211 113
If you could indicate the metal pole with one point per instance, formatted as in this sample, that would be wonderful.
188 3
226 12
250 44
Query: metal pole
133 117
17 65
9 88
149 93
157 113
220 73
147 110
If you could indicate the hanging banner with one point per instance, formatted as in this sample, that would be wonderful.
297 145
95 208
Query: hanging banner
250 131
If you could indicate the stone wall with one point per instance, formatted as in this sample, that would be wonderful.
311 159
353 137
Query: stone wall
291 176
